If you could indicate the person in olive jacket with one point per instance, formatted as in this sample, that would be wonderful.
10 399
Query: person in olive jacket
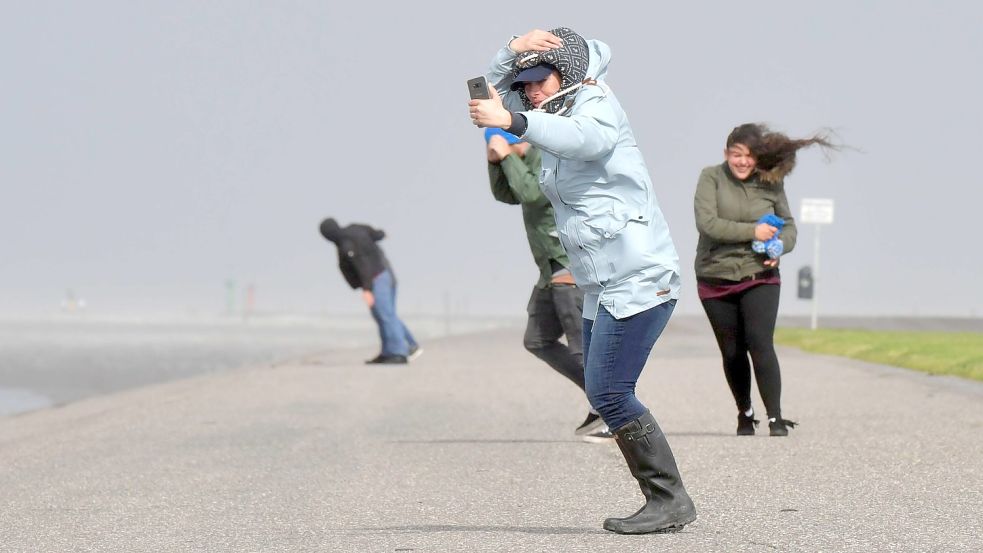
364 265
738 287
556 305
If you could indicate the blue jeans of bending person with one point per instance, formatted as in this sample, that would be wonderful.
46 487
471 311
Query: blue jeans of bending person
615 352
396 338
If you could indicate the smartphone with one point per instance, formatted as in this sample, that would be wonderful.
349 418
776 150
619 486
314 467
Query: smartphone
478 88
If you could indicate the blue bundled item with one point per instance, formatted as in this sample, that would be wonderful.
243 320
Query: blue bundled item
509 137
773 247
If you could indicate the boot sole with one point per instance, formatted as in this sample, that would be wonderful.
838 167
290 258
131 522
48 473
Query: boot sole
670 529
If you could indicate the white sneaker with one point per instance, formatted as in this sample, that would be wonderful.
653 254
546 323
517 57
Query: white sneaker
600 436
415 351
592 423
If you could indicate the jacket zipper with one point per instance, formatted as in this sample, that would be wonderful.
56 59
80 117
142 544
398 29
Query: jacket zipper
556 182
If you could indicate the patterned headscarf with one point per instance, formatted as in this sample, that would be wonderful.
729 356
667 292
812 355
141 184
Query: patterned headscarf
570 60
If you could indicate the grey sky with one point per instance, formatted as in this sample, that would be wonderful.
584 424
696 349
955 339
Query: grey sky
150 151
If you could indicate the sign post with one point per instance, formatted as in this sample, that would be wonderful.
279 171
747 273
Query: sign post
818 211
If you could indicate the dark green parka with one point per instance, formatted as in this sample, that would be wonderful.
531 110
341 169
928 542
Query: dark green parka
727 210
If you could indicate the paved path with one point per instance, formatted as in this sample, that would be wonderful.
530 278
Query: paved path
471 449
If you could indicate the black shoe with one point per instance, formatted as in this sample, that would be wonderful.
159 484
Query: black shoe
780 426
746 424
591 423
667 505
415 352
387 360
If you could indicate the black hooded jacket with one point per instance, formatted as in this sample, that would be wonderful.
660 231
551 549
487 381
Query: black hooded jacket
359 257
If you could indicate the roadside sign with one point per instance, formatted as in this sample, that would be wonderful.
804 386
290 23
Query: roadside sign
817 211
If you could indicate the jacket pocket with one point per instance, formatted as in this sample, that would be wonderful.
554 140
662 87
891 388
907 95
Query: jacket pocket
583 257
607 227
595 244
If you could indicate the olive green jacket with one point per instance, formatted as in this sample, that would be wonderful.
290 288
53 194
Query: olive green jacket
727 210
516 181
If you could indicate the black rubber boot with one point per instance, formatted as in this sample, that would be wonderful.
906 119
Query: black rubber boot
667 505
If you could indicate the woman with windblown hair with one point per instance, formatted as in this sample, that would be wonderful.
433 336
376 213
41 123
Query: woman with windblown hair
745 226
553 95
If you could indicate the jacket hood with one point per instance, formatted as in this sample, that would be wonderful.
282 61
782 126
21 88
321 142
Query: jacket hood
600 57
572 61
330 229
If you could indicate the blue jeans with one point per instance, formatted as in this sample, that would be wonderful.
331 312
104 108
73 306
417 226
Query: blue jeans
615 351
396 338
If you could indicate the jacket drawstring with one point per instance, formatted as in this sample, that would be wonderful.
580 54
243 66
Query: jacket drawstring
569 102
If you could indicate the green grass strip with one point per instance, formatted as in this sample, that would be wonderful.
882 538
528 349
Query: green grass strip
953 353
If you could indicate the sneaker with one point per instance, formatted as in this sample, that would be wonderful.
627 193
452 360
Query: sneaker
387 360
780 426
591 423
601 436
746 424
415 351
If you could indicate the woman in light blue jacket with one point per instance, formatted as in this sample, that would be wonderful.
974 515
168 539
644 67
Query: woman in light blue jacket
550 90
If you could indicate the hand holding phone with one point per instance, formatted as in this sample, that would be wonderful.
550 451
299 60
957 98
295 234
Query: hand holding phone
485 106
478 88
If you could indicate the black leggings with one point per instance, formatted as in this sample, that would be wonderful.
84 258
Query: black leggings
745 323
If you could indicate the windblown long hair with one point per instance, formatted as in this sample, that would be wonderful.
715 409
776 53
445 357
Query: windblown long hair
774 151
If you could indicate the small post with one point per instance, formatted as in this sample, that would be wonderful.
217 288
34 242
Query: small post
447 313
815 282
230 297
818 211
250 301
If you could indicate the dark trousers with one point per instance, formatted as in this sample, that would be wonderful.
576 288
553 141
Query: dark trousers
744 323
557 311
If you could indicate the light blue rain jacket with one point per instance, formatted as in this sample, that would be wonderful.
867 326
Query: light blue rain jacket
608 218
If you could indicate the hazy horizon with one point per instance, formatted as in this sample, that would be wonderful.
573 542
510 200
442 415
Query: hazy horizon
152 152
